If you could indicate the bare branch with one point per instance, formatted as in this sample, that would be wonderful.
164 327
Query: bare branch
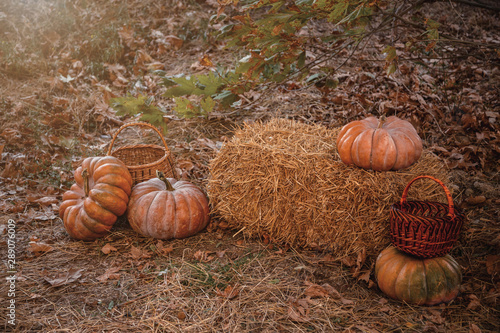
479 4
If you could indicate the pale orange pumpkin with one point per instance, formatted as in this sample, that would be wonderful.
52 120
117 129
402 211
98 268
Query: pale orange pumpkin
100 194
166 208
417 281
381 145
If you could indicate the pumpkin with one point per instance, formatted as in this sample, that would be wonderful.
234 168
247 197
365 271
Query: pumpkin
100 194
381 145
417 281
166 208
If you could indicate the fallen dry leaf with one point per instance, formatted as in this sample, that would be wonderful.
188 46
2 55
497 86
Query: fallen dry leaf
174 41
206 61
229 292
315 290
435 316
38 247
493 265
204 256
474 328
298 310
346 301
46 201
137 253
348 261
181 315
60 102
185 164
474 303
476 200
162 249
106 249
364 276
63 278
126 34
31 197
110 274
360 260
209 143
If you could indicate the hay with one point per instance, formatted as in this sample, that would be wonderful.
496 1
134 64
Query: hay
284 179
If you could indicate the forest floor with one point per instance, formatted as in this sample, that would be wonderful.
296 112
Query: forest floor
60 64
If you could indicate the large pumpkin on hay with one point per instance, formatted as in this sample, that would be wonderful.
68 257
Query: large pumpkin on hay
100 194
165 208
283 178
379 144
417 281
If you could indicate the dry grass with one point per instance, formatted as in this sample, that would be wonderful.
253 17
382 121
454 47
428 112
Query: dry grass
212 282
284 179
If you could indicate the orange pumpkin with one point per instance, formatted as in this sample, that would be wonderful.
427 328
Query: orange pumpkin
381 145
166 208
417 281
100 194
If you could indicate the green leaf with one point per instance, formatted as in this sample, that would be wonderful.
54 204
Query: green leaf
391 69
210 82
185 86
168 82
130 105
390 52
315 77
226 98
143 105
204 84
155 119
186 108
338 12
332 83
301 61
432 29
207 104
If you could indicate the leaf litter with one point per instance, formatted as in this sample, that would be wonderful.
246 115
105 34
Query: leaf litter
55 110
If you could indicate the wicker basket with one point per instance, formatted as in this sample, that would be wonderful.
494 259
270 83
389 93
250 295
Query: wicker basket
425 229
143 160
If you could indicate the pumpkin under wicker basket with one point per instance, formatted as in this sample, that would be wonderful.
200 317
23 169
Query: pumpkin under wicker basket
143 160
425 229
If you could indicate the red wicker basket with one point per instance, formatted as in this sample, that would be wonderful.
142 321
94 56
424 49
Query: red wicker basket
143 160
425 229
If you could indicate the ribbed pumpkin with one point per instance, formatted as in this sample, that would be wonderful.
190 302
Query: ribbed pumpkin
166 208
417 281
100 194
381 145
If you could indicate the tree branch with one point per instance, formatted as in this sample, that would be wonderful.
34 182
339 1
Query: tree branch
477 4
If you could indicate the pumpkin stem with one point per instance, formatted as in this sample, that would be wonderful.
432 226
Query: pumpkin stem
85 175
162 177
381 121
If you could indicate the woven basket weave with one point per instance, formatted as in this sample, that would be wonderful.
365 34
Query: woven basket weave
425 229
143 160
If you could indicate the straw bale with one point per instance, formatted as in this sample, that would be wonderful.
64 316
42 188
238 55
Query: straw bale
285 179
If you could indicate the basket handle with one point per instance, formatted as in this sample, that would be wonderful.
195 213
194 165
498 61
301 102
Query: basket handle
136 124
451 209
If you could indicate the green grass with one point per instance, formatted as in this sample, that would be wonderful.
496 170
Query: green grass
100 46
34 34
